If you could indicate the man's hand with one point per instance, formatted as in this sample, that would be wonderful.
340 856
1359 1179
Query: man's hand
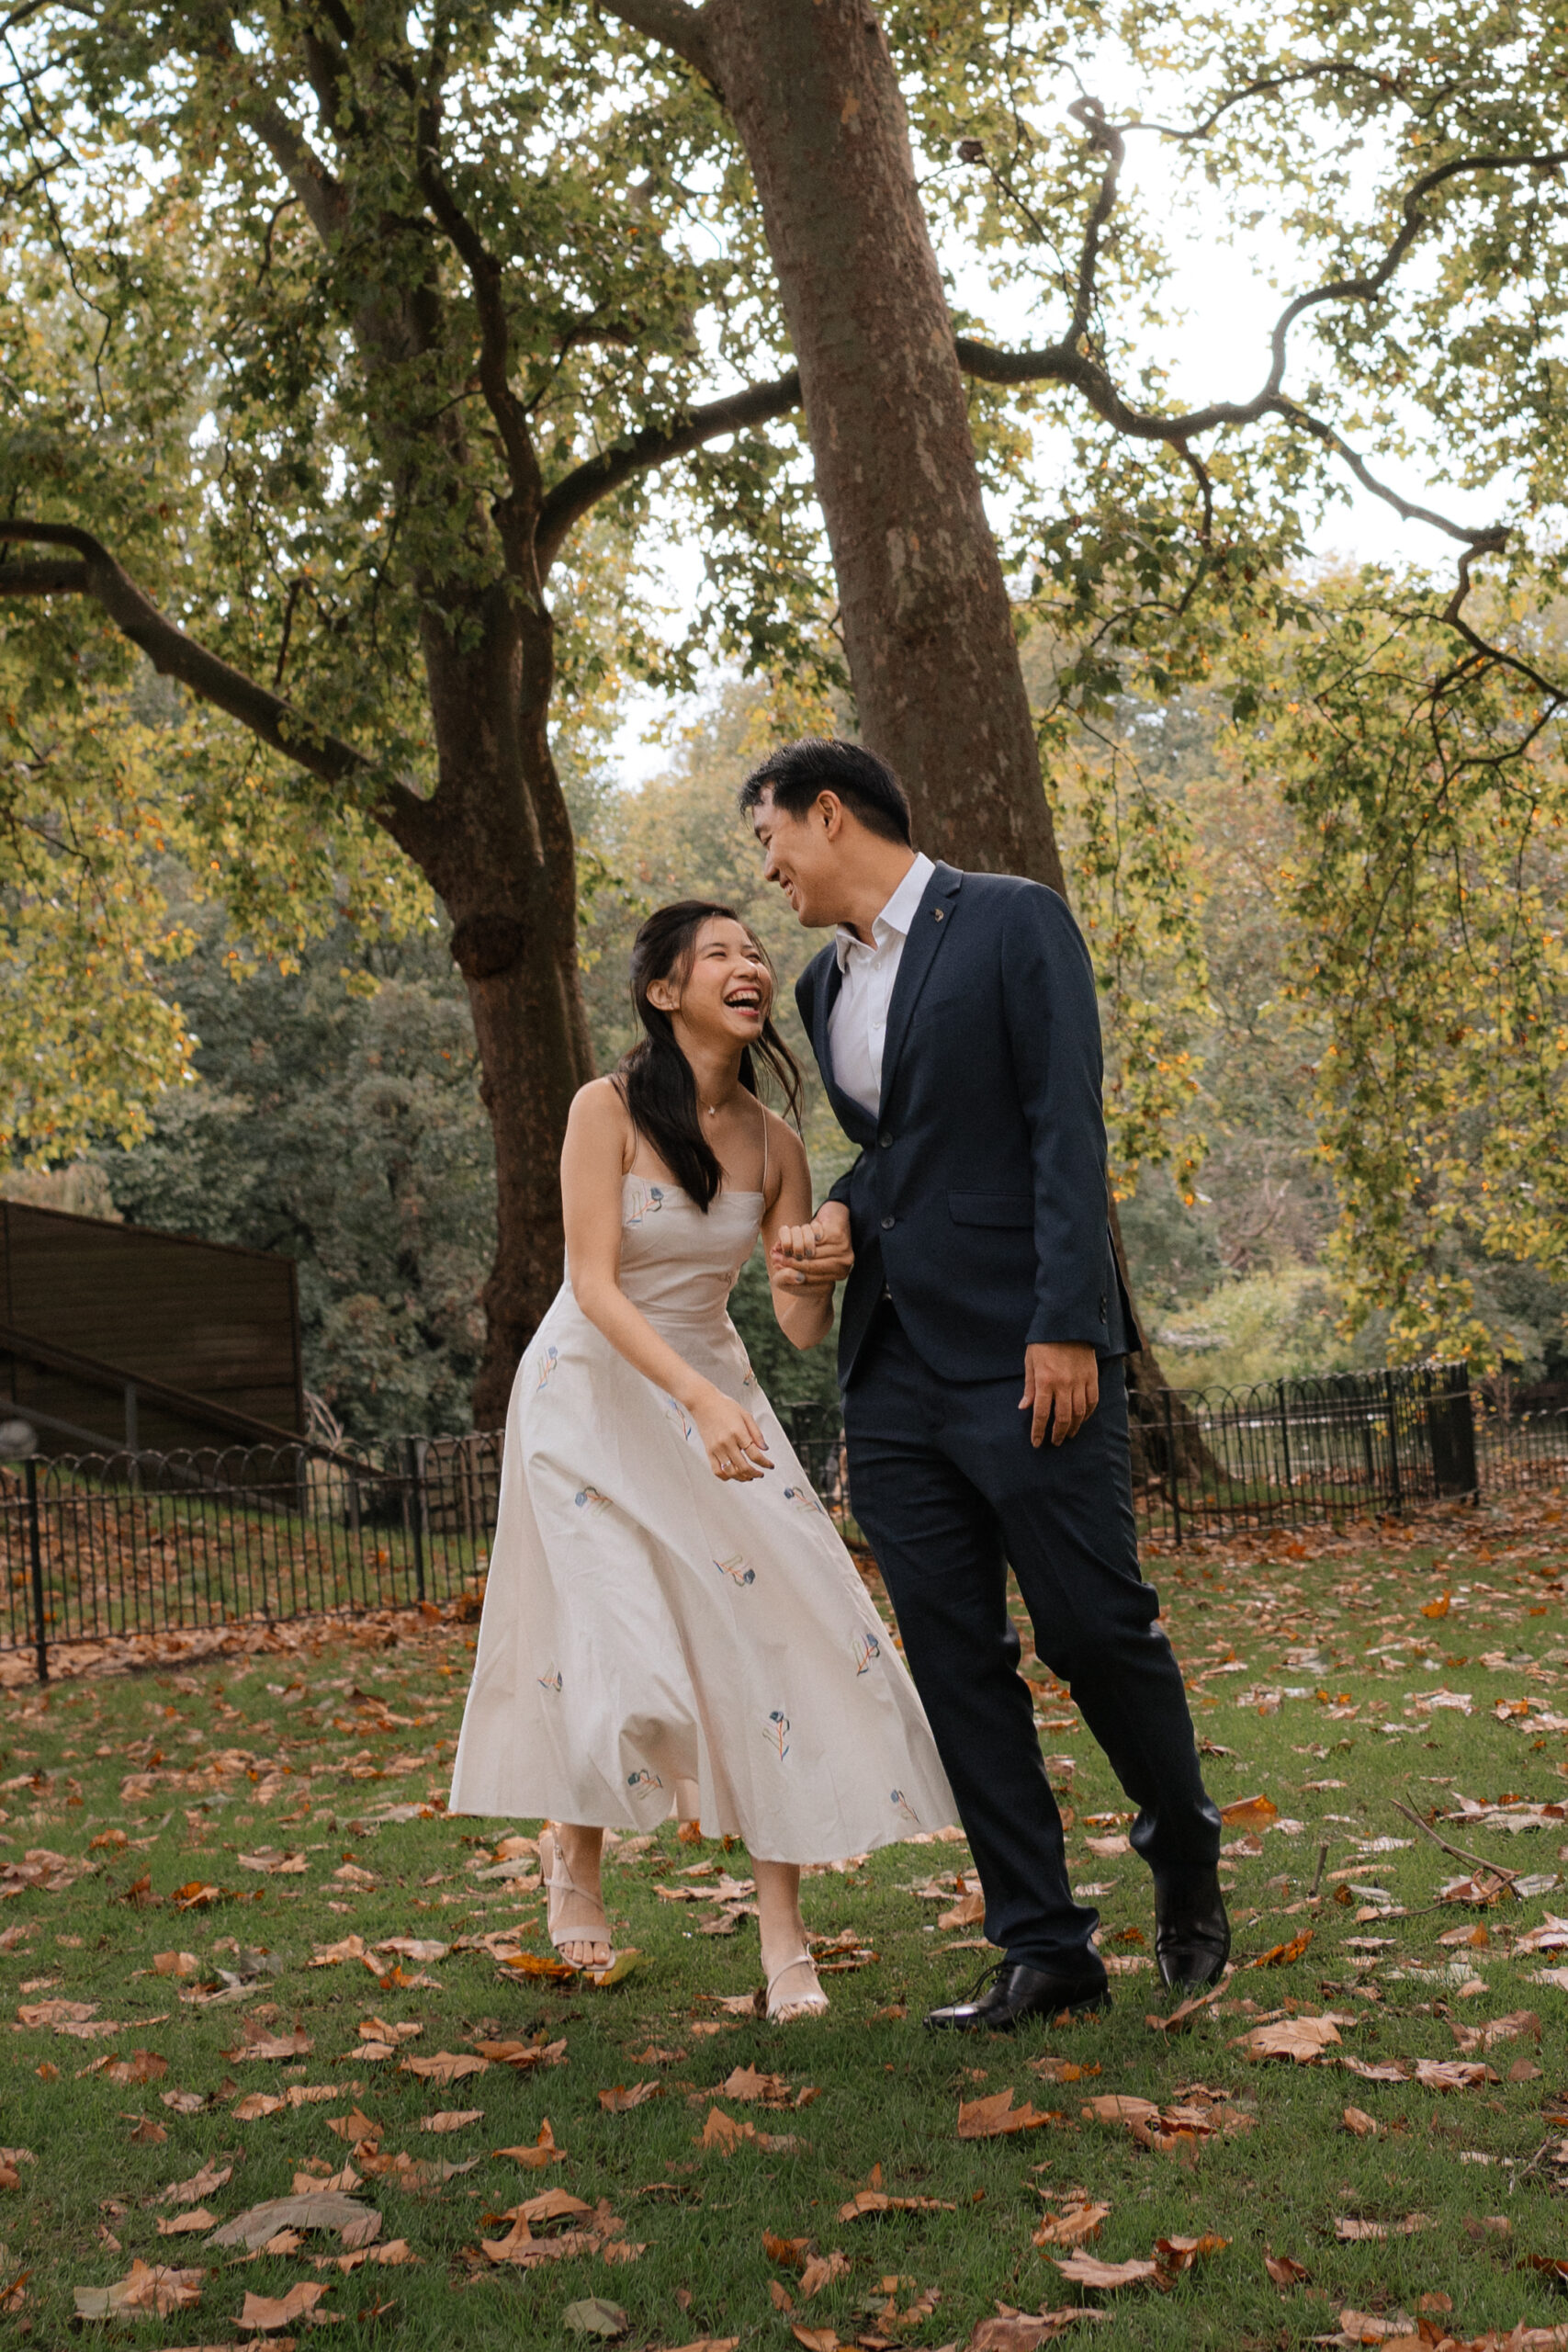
813 1257
1060 1389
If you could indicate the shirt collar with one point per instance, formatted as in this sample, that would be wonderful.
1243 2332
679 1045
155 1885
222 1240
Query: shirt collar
897 916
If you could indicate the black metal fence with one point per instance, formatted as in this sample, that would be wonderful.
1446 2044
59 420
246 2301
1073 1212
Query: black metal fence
100 1547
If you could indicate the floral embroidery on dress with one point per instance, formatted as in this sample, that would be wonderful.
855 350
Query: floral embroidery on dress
590 1499
675 1412
777 1733
548 1361
865 1649
644 1778
897 1796
736 1569
550 1680
643 1200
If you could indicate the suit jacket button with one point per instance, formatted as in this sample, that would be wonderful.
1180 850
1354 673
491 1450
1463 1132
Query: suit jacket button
887 1224
885 1141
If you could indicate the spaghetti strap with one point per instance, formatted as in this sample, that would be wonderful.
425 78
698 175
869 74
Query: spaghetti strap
763 1111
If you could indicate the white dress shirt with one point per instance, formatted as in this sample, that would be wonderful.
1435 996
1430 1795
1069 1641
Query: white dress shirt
857 1026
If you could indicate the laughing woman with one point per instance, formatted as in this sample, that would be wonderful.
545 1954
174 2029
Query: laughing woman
668 1602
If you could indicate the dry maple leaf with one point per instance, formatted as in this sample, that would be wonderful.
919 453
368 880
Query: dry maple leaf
542 2151
1176 2255
522 2055
619 2098
445 2067
266 2314
256 2104
1250 1813
141 2066
821 2270
184 2102
452 2118
1281 1955
356 2223
1517 2025
1350 2231
182 2224
817 2339
255 2041
1302 2038
1452 2073
993 2117
747 2083
1088 2270
1062 2070
354 2127
724 2133
1074 2226
969 1911
876 2200
1120 2107
1024 2331
201 2184
788 2252
1285 2270
1364 2126
146 2287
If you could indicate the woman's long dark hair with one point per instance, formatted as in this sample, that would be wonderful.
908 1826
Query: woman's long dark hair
655 1078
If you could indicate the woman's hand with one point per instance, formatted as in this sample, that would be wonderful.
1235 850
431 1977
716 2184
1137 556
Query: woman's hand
736 1447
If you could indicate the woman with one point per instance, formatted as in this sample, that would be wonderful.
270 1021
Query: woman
669 1607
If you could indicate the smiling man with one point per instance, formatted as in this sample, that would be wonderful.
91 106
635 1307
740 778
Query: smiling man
957 1026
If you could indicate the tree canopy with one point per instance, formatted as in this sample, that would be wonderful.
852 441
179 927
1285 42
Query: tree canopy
343 346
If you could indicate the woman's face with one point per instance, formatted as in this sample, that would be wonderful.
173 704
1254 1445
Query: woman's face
727 994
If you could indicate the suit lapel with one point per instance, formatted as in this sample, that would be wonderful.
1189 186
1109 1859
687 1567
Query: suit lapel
921 950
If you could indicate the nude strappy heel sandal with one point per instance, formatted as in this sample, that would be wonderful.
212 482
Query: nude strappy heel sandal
558 1880
785 2012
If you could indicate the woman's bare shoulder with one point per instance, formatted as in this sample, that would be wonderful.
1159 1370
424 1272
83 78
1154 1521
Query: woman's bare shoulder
599 1113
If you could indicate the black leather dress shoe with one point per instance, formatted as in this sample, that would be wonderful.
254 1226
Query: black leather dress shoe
1192 1933
1014 1992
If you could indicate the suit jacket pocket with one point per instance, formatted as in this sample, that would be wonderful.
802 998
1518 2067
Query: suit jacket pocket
991 1208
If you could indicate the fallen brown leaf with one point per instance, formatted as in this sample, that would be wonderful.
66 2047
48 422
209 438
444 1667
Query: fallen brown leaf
619 2098
266 2314
1302 2038
182 2224
993 2117
534 2158
1285 2270
1074 2226
356 2223
446 2066
452 2118
1364 2126
1088 2270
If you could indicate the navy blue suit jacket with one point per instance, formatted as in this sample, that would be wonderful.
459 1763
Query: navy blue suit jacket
980 1193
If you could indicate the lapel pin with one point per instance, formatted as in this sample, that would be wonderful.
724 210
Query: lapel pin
937 913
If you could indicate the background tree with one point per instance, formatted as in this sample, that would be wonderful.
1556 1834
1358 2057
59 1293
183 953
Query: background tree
384 319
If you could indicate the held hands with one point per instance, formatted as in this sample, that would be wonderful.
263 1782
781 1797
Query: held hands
813 1257
735 1445
1060 1389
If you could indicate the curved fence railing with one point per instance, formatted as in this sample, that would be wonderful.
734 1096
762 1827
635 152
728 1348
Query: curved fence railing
95 1547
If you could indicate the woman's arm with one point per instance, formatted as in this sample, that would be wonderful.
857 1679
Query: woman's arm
804 1315
599 1144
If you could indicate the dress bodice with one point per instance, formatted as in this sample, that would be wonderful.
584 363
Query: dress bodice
677 1264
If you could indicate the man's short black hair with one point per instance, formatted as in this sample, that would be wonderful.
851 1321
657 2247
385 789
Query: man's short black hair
796 773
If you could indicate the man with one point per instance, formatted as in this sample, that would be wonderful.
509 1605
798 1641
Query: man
956 1023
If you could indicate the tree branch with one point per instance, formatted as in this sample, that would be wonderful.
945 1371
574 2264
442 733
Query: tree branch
577 492
672 23
269 718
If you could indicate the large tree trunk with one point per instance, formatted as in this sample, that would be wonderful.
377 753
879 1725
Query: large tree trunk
812 90
499 855
811 87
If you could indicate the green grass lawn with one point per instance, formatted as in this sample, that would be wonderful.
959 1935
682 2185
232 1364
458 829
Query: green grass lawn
1318 1677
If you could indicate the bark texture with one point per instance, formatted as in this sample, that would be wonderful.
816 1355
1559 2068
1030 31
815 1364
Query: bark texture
811 87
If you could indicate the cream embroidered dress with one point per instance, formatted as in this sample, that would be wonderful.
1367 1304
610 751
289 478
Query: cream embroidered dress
646 1623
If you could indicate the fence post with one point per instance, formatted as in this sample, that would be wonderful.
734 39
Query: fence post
1392 1400
414 1471
1170 1473
35 1547
1285 1447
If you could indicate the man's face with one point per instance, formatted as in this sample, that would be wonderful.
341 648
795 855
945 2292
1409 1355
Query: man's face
802 854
